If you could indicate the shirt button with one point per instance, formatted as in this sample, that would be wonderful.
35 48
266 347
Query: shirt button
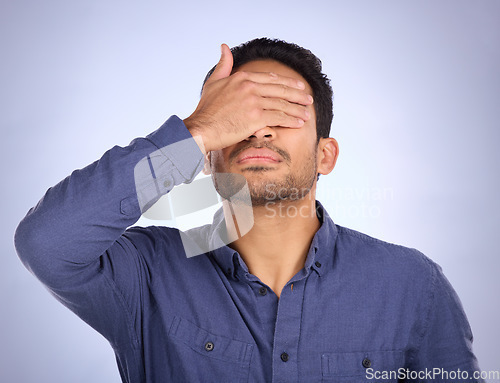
209 346
262 291
317 264
167 184
284 357
366 363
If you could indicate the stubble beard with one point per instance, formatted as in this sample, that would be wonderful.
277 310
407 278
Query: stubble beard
291 187
262 189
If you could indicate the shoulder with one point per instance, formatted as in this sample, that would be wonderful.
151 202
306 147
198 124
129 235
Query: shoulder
401 277
385 258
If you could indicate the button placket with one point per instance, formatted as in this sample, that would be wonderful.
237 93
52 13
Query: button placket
287 332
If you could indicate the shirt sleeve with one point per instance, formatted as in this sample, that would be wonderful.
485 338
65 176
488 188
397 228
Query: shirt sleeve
75 240
445 353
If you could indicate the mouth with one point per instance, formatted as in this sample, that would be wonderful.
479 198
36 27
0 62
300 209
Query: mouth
258 155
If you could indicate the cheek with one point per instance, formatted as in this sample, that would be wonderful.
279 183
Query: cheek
305 139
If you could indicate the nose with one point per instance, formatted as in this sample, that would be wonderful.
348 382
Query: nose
266 133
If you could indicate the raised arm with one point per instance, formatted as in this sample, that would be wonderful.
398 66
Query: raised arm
81 217
75 240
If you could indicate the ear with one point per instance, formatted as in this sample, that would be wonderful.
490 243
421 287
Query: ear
328 151
206 167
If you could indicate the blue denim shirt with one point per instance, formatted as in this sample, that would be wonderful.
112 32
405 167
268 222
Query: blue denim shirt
359 308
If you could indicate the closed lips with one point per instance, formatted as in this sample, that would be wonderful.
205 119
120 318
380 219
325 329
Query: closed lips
263 155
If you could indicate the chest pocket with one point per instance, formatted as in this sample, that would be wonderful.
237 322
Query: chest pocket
353 367
206 357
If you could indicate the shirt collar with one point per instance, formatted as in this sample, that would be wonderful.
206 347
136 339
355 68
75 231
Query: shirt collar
319 257
321 251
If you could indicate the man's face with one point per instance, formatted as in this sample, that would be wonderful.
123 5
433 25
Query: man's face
278 163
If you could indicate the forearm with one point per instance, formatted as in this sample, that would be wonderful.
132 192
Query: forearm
81 217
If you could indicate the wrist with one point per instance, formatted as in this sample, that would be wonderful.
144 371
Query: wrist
195 131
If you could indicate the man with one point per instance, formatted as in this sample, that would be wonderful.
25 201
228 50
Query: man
295 299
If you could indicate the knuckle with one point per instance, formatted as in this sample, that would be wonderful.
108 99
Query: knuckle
255 114
236 78
241 76
284 104
281 105
299 109
253 100
247 85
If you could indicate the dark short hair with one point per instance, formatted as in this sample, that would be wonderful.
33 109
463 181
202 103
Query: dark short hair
301 60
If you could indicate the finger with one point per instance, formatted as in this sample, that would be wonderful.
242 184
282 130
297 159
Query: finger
278 118
224 66
281 105
284 92
273 78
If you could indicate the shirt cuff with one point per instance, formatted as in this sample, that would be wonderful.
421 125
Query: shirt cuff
178 160
185 155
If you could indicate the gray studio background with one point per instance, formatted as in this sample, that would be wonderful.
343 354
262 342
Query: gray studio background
416 87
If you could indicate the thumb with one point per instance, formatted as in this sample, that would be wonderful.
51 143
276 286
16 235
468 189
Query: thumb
224 66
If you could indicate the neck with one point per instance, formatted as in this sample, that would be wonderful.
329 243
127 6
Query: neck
276 247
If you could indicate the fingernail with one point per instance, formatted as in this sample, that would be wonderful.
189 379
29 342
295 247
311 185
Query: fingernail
300 122
307 114
301 85
310 98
